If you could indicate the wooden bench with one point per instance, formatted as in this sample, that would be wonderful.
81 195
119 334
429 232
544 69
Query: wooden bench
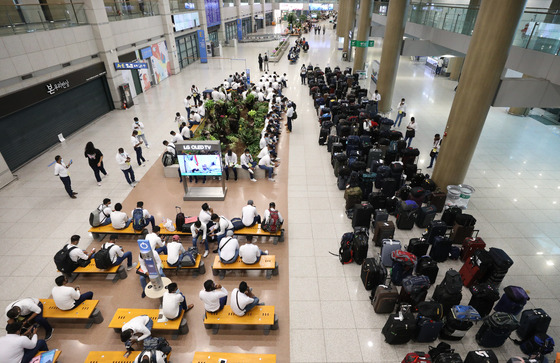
85 311
119 271
213 357
114 357
177 326
164 232
56 355
259 315
254 231
100 232
266 263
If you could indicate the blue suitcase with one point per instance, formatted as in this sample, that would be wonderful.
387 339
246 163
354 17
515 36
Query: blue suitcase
435 228
427 330
512 301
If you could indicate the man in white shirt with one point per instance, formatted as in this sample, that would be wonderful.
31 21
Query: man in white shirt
242 299
248 164
136 330
223 227
116 253
66 297
251 253
179 119
105 212
262 141
143 271
170 147
401 113
213 296
119 219
215 95
228 249
189 103
144 219
289 115
196 118
249 214
175 138
265 163
136 144
199 230
175 251
146 357
76 254
18 348
28 311
124 163
174 302
376 98
205 215
229 163
139 126
185 131
260 96
61 170
155 240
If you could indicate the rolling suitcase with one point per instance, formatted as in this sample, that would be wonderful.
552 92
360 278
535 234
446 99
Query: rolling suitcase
337 147
425 216
389 187
459 233
352 196
533 321
362 215
496 329
323 134
383 230
360 244
437 199
470 245
435 228
458 321
428 267
384 298
377 200
374 155
481 356
383 172
418 246
405 220
501 264
440 248
483 298
387 248
476 268
448 357
331 139
373 273
427 330
512 301
399 328
380 215
410 170
450 214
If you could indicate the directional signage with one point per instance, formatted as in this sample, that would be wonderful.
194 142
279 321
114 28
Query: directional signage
135 65
362 44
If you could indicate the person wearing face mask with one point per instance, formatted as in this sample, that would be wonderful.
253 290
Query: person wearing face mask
139 126
229 161
61 170
105 212
123 159
248 164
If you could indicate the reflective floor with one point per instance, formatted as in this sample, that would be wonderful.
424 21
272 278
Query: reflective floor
515 173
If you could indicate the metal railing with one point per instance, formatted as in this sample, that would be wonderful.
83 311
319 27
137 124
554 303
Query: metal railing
17 19
124 10
538 29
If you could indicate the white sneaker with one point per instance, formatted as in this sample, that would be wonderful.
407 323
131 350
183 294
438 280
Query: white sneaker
131 267
205 254
148 146
266 252
253 180
99 184
271 179
132 185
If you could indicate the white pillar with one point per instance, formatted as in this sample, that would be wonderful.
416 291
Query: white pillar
169 34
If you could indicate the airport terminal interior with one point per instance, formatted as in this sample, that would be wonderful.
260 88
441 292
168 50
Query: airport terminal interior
324 312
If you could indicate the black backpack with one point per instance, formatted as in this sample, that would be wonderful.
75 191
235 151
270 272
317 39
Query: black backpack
63 261
452 282
103 258
345 253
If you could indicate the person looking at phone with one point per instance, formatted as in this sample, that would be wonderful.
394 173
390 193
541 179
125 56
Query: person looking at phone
28 311
61 170
66 297
18 347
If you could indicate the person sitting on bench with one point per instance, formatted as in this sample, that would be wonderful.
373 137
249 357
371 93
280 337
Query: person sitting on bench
224 228
105 212
143 271
175 251
119 219
213 296
66 297
228 250
242 299
141 217
18 347
28 311
155 240
136 330
77 255
199 230
174 302
249 214
251 253
117 254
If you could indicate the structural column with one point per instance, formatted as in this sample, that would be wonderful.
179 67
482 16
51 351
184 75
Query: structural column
222 29
350 17
455 67
263 3
480 78
390 54
363 33
169 34
253 21
105 41
342 14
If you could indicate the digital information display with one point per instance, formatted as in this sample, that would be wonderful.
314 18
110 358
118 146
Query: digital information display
197 158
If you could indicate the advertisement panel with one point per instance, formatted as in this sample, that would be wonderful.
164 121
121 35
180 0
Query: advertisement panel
160 61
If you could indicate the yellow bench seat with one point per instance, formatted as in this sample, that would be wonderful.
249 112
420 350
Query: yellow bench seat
259 315
101 231
199 265
177 326
266 263
114 357
254 231
119 271
86 310
213 357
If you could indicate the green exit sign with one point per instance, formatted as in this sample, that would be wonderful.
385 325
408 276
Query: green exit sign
362 44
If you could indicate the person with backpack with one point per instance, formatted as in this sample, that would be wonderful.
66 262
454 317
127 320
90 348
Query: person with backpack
243 300
101 216
77 255
224 228
66 297
199 230
119 219
303 74
175 252
249 214
272 219
251 253
174 302
213 296
289 115
28 311
111 255
95 161
61 170
141 217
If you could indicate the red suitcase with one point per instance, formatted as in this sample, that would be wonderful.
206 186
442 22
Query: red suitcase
475 268
470 273
470 245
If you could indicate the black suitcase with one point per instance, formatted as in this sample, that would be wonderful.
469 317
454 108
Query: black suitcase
323 134
399 328
377 200
362 215
445 298
435 228
454 329
496 329
331 139
450 214
481 356
389 187
410 170
427 330
373 273
532 322
440 249
500 267
428 267
337 147
380 215
405 220
425 216
483 298
448 357
360 244
418 247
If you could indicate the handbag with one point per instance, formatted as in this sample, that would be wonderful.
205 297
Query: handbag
433 152
410 133
294 116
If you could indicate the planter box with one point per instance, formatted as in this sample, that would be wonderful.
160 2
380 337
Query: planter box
280 52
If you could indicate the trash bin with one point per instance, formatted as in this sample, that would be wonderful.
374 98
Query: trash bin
465 195
453 195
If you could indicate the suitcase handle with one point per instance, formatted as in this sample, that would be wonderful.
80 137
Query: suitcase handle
476 230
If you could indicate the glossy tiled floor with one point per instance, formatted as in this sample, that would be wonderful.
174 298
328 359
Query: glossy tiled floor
515 172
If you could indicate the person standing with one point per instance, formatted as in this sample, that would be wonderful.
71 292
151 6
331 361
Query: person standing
260 62
136 143
376 98
439 66
289 116
435 150
179 119
123 159
401 113
410 131
324 28
189 103
303 74
95 160
230 160
198 230
195 93
266 62
61 170
66 297
139 126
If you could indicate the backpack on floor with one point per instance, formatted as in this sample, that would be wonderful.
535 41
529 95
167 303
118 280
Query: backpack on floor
189 258
138 221
272 224
345 253
103 258
63 261
237 223
153 343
